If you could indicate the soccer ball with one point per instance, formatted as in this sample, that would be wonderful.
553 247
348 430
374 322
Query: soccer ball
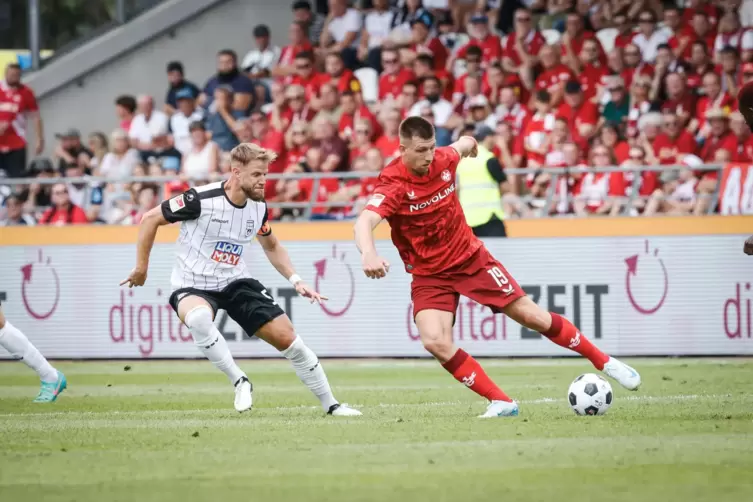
590 394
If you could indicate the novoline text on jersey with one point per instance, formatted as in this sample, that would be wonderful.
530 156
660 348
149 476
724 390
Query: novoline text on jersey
437 197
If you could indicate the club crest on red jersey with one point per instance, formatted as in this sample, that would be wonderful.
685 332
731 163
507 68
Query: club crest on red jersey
446 176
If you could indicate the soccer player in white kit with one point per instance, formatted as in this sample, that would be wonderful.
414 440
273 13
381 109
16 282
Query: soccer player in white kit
15 342
218 221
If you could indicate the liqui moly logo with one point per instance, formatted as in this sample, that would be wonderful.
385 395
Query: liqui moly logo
437 197
227 252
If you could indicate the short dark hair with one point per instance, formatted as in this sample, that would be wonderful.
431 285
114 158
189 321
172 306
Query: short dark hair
728 49
703 45
425 59
433 78
261 30
416 126
302 4
175 66
127 102
474 50
664 46
348 93
544 96
336 55
305 55
228 52
197 125
13 66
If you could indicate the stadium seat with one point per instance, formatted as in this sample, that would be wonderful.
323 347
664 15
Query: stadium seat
369 79
552 36
606 37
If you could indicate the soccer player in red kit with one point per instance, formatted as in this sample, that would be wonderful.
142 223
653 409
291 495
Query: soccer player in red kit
416 195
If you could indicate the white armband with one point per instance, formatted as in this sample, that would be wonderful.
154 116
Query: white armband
294 279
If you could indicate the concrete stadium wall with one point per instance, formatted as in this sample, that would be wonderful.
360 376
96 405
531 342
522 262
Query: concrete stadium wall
87 103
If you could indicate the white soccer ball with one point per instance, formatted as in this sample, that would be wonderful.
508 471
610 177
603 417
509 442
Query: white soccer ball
590 394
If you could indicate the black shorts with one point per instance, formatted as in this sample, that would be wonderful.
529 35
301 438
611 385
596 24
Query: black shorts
246 301
13 162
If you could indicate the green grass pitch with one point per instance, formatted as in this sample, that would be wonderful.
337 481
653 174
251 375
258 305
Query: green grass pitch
166 431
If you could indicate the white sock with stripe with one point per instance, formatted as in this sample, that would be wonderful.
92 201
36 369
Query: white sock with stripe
310 371
211 343
21 348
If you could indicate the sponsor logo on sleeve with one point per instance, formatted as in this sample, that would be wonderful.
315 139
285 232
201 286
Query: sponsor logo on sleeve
177 203
376 200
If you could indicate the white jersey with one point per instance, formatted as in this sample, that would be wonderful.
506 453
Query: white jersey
214 234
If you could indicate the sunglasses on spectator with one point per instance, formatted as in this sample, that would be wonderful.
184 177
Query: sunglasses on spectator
616 89
60 192
632 54
523 19
636 157
645 20
389 61
302 66
363 131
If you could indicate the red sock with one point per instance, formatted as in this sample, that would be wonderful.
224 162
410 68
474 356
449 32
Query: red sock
563 333
469 372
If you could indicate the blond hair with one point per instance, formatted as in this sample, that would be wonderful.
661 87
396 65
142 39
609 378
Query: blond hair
245 153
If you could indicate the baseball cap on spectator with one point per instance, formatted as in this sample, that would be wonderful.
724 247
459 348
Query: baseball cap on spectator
479 19
691 161
69 133
572 87
261 30
483 132
41 165
170 163
479 101
425 18
184 93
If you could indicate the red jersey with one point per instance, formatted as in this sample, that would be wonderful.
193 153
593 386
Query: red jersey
55 216
724 101
295 155
311 85
576 44
390 86
427 223
510 80
727 141
642 70
491 47
327 187
346 125
15 102
346 81
587 113
288 53
390 147
690 34
553 78
669 151
621 41
288 116
436 49
744 151
532 44
591 78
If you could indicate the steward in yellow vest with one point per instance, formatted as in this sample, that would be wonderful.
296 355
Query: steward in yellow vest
480 182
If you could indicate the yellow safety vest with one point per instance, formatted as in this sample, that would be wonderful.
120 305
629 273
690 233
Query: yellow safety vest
478 190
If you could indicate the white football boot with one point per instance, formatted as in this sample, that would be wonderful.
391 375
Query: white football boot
343 410
624 374
501 409
243 391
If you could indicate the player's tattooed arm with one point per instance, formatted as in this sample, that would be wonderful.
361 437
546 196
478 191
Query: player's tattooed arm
466 146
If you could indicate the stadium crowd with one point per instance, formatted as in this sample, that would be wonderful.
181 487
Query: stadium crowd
540 83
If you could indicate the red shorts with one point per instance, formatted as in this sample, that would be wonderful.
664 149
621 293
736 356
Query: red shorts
482 279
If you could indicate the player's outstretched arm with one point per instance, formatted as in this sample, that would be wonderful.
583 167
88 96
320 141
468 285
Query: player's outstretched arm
466 146
280 259
151 221
374 266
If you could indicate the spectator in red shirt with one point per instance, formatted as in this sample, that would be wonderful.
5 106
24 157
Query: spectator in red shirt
295 109
699 29
673 142
554 74
635 66
334 149
596 192
285 67
625 31
473 69
537 129
672 20
471 92
573 37
744 151
666 63
522 46
17 102
489 44
408 97
297 142
729 68
63 211
713 98
272 139
731 34
352 112
337 74
394 75
610 136
422 43
592 75
580 115
360 141
511 111
497 79
710 11
389 142
700 64
125 109
306 76
720 136
679 100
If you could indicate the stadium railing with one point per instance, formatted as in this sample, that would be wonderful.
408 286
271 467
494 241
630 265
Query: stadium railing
545 203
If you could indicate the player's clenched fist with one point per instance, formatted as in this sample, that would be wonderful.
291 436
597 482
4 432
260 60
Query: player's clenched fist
748 247
375 267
